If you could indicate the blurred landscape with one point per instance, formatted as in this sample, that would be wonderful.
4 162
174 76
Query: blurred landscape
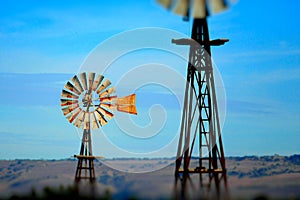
248 177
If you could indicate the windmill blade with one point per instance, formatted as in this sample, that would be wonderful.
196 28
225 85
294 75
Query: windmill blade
94 123
72 88
99 116
218 5
182 7
79 120
91 76
77 83
108 106
67 102
104 85
83 80
200 9
127 100
68 109
86 121
74 114
68 94
107 92
108 115
97 82
131 109
165 3
108 99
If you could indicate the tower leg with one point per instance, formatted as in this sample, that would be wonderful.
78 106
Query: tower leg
85 166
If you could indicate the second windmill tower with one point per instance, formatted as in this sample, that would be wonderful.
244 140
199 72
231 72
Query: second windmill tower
200 117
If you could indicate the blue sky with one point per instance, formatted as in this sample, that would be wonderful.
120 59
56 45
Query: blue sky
44 43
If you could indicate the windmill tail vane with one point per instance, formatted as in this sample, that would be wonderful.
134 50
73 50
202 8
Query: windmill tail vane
197 8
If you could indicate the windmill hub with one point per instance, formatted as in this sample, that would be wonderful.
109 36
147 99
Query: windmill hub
89 101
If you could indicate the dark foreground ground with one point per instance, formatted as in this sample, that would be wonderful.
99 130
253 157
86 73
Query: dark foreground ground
249 177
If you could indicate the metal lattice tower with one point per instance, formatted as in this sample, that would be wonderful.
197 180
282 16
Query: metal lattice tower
200 117
87 102
200 134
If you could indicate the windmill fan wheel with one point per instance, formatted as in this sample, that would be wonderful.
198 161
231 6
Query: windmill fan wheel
88 101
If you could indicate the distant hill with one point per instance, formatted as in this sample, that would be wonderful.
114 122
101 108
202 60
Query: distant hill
247 176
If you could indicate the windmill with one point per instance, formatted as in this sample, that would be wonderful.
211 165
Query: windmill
87 102
200 117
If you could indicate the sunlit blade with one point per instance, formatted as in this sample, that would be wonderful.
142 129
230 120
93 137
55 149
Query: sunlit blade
68 109
77 83
86 121
127 109
67 102
67 94
91 79
73 115
83 80
104 85
127 100
93 119
72 88
97 82
165 3
199 9
79 120
107 92
218 5
99 116
108 115
108 99
182 7
108 106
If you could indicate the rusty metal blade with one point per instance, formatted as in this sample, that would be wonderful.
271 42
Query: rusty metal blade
104 85
218 5
165 3
77 83
74 114
69 109
97 82
200 9
67 102
99 116
72 88
68 94
108 115
83 80
107 92
108 106
79 119
93 119
91 76
108 99
182 7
